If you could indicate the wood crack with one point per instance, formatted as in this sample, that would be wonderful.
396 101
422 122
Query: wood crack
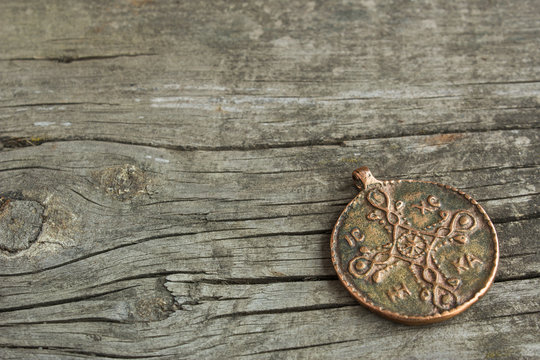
341 142
468 170
73 351
516 218
31 168
272 217
518 278
67 59
295 309
290 233
150 238
90 200
258 281
293 348
510 256
509 197
533 81
148 276
513 315
67 321
63 301
55 104
343 201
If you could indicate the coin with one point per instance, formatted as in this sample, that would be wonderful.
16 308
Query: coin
415 252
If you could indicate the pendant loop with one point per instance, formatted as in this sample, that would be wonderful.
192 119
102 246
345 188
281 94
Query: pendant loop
363 178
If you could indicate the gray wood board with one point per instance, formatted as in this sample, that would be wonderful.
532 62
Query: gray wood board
176 169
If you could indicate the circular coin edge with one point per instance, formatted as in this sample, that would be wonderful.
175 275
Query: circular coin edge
407 319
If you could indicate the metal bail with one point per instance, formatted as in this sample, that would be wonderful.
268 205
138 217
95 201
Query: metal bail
363 178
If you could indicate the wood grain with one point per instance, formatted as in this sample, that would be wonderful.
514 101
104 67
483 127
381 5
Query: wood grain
190 160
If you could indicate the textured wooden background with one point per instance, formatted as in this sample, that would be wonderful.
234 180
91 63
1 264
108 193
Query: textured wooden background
170 171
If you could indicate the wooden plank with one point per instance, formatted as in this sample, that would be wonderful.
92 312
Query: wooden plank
187 162
220 195
299 319
183 75
254 230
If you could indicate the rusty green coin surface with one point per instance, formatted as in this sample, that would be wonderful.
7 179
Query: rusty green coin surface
415 252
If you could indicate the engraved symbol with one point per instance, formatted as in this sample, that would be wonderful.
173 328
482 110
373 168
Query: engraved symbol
359 266
355 236
425 295
466 262
432 205
400 292
415 247
375 215
411 245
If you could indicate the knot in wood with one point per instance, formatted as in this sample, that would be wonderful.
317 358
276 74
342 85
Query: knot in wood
20 223
124 181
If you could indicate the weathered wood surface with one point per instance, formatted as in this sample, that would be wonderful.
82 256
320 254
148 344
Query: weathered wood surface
174 169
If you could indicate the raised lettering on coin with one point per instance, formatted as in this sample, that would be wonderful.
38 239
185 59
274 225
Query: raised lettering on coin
400 292
354 236
465 262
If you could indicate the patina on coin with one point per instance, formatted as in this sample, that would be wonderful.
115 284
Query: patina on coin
415 252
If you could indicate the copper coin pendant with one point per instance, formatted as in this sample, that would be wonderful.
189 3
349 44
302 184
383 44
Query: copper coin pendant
415 252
